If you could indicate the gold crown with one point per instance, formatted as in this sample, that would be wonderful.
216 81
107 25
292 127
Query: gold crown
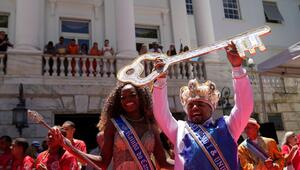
205 92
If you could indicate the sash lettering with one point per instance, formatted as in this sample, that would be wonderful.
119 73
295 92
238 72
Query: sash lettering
208 145
134 144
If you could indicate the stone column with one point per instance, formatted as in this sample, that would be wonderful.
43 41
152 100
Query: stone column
179 23
163 34
216 69
204 26
125 31
28 24
97 6
203 22
110 22
29 32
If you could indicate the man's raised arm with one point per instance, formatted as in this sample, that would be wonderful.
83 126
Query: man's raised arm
161 110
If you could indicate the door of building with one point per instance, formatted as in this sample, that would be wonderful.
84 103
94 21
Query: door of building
86 129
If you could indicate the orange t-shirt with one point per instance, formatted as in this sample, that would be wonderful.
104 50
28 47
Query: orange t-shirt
95 51
73 49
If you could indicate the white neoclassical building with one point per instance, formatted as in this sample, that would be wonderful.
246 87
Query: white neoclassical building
51 89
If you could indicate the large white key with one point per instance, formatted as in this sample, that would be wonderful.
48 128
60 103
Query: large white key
244 42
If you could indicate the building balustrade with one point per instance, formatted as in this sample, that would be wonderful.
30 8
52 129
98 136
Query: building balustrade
79 66
95 66
275 84
181 71
66 69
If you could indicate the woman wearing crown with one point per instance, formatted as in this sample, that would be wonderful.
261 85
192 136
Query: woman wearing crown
201 142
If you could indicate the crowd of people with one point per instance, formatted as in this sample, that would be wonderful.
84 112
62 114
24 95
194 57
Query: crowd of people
63 48
156 48
17 154
72 47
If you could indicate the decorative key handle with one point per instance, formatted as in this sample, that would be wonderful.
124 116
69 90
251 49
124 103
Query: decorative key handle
37 118
244 42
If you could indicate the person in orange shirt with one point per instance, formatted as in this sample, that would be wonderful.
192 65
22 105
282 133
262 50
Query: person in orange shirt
95 50
257 152
73 48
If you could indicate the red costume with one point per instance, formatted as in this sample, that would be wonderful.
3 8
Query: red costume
286 149
26 164
53 162
5 160
79 144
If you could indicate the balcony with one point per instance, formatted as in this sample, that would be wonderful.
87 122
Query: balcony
79 66
182 71
83 69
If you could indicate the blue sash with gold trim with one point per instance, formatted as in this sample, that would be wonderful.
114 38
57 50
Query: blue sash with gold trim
256 150
133 142
208 146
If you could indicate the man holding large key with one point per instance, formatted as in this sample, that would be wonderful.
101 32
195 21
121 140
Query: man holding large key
201 142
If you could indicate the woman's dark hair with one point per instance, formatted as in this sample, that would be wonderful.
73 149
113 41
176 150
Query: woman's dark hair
113 107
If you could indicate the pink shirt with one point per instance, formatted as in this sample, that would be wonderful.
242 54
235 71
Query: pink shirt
175 130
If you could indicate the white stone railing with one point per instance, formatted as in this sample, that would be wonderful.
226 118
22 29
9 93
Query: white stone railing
3 59
275 84
181 71
100 66
79 66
